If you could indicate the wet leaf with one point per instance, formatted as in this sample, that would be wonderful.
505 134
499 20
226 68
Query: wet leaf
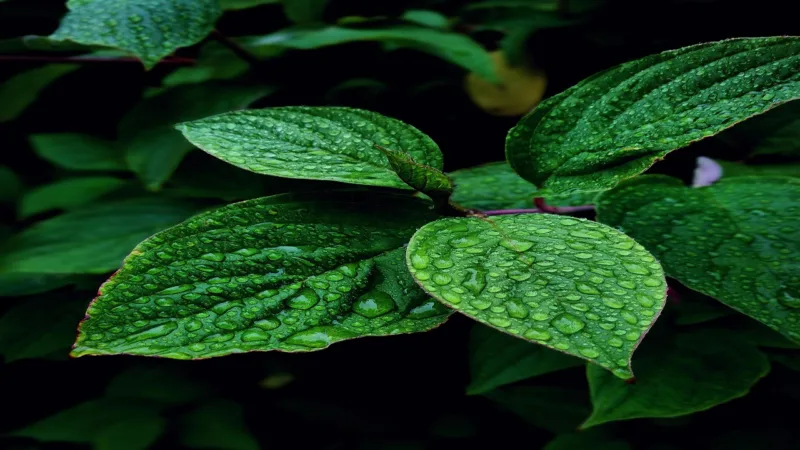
617 123
568 284
292 272
736 241
421 177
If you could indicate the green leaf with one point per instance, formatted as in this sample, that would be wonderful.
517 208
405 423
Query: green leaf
594 439
687 373
93 239
292 272
67 194
22 89
736 241
19 284
54 318
552 408
315 143
453 47
30 42
234 5
421 177
154 148
215 62
426 18
10 184
774 133
304 11
148 29
616 124
497 186
109 424
75 151
218 424
732 169
497 359
568 284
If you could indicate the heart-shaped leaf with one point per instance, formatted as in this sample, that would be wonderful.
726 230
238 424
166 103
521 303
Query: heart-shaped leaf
569 284
148 29
737 240
292 272
617 123
315 143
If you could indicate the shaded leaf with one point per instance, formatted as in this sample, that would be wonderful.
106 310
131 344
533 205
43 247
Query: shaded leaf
22 89
686 373
569 284
148 29
736 240
732 169
18 284
304 11
774 133
426 18
93 239
10 184
67 194
75 151
215 62
39 327
497 359
552 408
292 272
316 143
218 424
617 123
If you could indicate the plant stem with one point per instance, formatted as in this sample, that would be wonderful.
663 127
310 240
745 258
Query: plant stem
175 60
540 203
237 49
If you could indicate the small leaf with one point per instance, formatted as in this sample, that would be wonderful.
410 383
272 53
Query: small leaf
616 124
55 318
497 186
217 424
148 29
497 359
234 5
153 147
67 194
292 272
453 47
569 284
736 240
10 184
552 408
304 11
75 151
422 178
22 89
688 373
93 239
327 143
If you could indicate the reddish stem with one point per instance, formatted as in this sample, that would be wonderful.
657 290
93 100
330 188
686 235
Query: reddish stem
175 60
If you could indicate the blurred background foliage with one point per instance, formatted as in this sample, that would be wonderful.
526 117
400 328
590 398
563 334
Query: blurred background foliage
91 165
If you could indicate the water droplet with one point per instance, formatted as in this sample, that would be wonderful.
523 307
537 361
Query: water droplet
652 282
629 317
516 309
567 323
612 302
475 280
254 335
268 324
193 325
318 337
465 241
154 332
589 352
537 335
451 297
177 289
501 322
615 342
586 289
635 269
442 279
213 257
373 304
305 299
419 261
516 245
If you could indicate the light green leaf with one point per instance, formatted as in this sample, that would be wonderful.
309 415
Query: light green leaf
687 373
421 177
93 239
54 318
109 424
218 424
75 151
153 147
215 62
292 272
736 241
497 359
315 143
453 47
148 29
426 18
617 123
67 194
732 169
568 284
234 5
22 89
10 184
304 11
555 409
497 186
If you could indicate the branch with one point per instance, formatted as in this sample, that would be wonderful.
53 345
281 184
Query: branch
174 60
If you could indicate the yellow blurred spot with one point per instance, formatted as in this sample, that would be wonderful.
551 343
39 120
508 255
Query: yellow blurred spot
520 89
276 381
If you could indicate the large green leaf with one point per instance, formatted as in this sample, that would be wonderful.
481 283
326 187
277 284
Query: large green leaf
569 284
75 151
39 327
153 147
556 409
21 90
67 194
93 239
617 123
148 29
497 359
737 240
681 375
292 272
328 143
453 47
217 424
497 186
